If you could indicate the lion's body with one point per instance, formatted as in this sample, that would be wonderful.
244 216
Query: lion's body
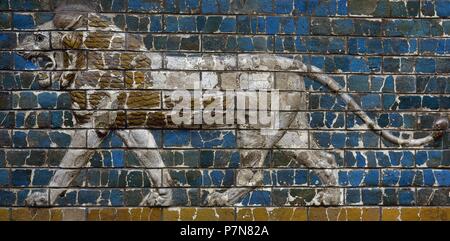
116 83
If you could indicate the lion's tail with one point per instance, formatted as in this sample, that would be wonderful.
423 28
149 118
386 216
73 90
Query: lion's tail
439 127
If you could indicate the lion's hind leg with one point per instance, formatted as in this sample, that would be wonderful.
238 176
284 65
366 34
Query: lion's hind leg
69 169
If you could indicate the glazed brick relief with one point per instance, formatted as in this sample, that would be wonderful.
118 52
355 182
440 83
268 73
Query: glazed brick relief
118 65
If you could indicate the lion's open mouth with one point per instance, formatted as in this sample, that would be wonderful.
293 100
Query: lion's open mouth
42 61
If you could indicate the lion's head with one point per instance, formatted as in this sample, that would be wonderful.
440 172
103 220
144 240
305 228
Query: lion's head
37 47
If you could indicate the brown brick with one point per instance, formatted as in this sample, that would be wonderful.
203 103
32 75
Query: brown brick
288 214
4 214
30 214
124 214
252 214
444 213
318 214
371 214
214 214
171 214
409 214
429 214
56 214
73 214
390 214
145 214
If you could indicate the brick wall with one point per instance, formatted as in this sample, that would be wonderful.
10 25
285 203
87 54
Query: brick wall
392 57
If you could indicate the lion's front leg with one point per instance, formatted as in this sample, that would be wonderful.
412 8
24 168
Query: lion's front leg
144 146
69 168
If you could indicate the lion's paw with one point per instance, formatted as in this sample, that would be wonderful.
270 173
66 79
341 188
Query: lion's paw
37 199
217 199
327 198
158 198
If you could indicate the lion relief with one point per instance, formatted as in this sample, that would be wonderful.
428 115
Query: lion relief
118 85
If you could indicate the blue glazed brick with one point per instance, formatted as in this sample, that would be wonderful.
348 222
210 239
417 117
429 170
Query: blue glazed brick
69 199
23 21
371 196
406 197
8 40
442 65
355 178
27 100
88 197
5 20
442 8
215 6
20 139
176 138
135 179
257 198
7 198
425 65
41 177
118 158
371 101
218 178
409 102
442 178
314 178
390 196
61 139
37 138
47 100
145 6
342 7
6 61
20 178
432 158
116 197
4 177
5 100
284 6
353 196
405 84
408 27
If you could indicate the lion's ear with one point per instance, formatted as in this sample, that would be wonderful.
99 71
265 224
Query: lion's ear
70 21
72 40
76 23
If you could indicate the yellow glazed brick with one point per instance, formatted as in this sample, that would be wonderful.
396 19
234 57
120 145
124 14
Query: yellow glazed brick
390 214
318 214
429 214
187 214
4 214
124 214
444 214
252 214
371 214
288 214
300 214
409 214
73 214
214 214
56 214
30 214
171 214
145 214
244 214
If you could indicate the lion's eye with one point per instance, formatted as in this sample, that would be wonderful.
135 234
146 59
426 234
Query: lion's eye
39 37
